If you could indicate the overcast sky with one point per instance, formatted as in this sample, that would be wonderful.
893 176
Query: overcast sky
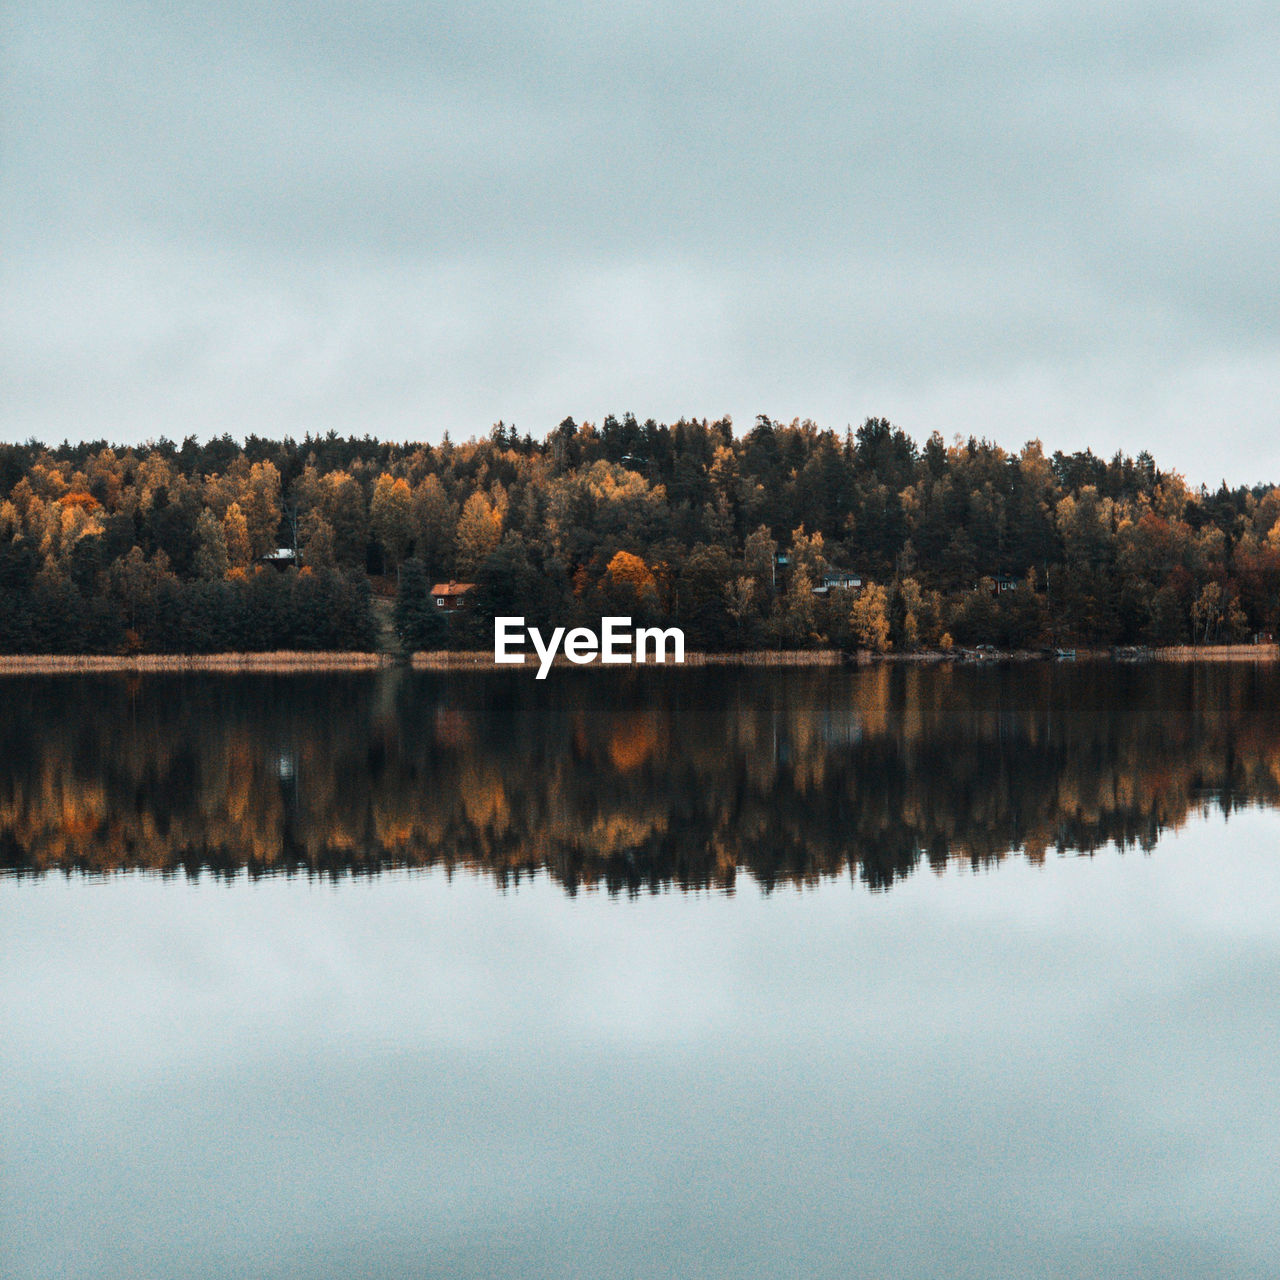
1008 219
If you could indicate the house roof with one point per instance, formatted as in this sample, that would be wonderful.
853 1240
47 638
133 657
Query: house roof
451 588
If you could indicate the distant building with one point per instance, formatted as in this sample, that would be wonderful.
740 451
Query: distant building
839 580
280 558
449 595
1004 583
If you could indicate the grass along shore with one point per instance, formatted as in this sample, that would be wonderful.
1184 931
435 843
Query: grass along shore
38 664
449 660
284 662
482 660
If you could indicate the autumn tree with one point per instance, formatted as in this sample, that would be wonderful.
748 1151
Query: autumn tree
260 503
212 558
319 549
435 523
795 614
343 506
479 532
759 557
740 604
235 531
869 618
630 584
808 555
391 518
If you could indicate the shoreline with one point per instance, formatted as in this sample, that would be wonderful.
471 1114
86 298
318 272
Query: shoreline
297 662
142 663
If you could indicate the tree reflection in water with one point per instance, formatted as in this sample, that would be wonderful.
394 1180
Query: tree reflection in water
628 781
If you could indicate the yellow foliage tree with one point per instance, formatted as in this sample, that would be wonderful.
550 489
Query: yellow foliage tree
869 619
260 503
235 530
629 576
391 515
479 532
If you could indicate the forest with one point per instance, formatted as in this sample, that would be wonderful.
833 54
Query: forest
785 536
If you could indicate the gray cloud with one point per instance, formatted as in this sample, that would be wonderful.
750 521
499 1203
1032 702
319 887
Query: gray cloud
1046 220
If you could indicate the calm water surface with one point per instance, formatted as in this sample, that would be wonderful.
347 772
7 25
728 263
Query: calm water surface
892 973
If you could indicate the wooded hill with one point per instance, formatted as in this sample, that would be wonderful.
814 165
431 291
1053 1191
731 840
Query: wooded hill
164 548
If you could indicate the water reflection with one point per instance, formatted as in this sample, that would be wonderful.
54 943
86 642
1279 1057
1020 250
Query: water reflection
628 782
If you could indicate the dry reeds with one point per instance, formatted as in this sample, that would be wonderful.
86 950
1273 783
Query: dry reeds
768 658
451 660
447 660
285 661
1218 653
482 660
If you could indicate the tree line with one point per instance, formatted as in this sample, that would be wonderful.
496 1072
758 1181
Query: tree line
163 548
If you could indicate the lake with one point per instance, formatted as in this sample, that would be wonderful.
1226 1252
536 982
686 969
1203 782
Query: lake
907 971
